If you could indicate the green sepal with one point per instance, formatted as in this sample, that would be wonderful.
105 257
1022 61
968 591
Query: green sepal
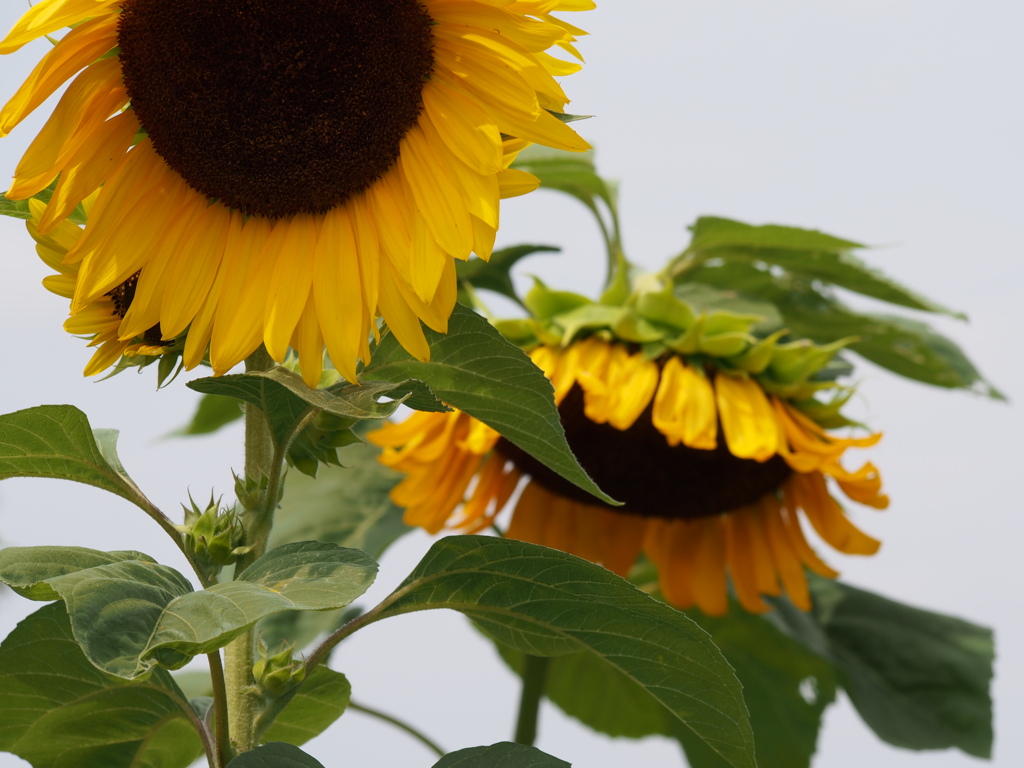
544 303
797 361
756 359
665 308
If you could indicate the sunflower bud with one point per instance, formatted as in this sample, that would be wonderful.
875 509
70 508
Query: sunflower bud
279 672
211 534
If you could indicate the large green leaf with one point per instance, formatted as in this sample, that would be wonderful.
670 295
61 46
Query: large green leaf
56 441
807 253
547 603
129 615
320 700
473 368
275 755
710 232
58 710
785 687
906 347
919 679
504 754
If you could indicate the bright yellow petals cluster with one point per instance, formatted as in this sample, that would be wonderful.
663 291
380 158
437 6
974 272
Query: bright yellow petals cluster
455 479
307 281
99 321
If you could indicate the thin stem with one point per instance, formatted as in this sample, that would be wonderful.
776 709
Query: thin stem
222 753
398 724
165 522
261 461
199 726
322 651
535 673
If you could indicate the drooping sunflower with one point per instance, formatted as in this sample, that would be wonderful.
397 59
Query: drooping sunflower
716 453
283 172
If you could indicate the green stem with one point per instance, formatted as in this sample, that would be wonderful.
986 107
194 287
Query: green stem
535 672
398 724
261 461
222 750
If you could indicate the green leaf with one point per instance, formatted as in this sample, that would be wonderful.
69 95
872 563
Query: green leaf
213 412
27 569
288 402
919 679
809 254
547 603
912 349
905 347
496 273
311 423
56 441
504 754
320 700
785 687
19 209
473 368
714 232
130 615
275 755
58 710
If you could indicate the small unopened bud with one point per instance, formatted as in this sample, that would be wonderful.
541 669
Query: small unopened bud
212 534
279 672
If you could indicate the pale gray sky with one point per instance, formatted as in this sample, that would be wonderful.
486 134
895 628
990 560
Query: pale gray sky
895 123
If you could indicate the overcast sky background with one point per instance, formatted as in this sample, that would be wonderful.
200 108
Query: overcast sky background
891 122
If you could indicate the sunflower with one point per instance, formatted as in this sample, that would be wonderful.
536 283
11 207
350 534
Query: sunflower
100 320
715 473
282 172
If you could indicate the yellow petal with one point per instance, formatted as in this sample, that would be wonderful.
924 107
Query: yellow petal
748 421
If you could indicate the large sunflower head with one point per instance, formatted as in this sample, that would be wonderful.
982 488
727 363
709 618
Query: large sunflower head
717 443
284 172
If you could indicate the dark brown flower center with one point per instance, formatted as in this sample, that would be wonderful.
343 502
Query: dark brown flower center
276 107
638 467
